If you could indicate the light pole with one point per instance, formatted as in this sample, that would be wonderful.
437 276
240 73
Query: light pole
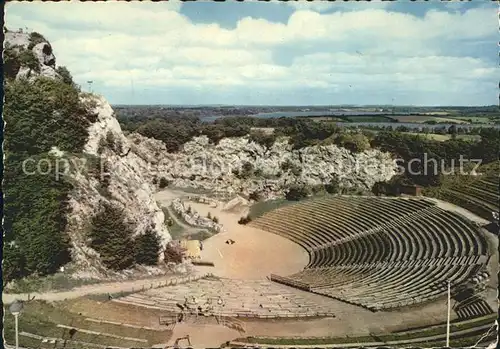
448 320
15 309
90 82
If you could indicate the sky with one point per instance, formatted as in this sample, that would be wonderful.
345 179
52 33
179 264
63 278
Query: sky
274 53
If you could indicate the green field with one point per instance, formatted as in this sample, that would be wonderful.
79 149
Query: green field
436 330
369 118
425 118
446 137
47 320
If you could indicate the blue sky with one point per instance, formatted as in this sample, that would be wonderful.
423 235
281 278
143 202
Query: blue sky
275 53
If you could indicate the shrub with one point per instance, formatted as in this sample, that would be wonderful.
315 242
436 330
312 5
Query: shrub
147 247
317 189
333 187
355 142
244 220
101 145
288 165
246 170
65 75
173 253
296 193
111 237
262 138
110 139
255 196
11 62
35 39
28 59
163 183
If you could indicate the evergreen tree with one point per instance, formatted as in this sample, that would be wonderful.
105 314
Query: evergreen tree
146 248
111 237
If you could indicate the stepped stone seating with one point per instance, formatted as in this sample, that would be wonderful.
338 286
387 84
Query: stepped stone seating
472 308
379 253
235 298
480 196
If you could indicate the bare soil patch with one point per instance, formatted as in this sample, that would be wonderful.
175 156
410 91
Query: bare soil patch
255 253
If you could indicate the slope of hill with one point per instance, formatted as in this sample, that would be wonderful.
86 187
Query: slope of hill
66 160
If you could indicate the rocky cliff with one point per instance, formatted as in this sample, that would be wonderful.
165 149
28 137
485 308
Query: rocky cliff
240 166
128 183
105 170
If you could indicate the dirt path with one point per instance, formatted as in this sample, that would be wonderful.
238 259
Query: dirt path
460 210
104 288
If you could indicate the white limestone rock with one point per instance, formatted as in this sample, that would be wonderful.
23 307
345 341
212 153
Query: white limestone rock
200 164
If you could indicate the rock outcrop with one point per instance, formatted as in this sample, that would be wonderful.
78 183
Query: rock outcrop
224 169
128 183
45 64
193 218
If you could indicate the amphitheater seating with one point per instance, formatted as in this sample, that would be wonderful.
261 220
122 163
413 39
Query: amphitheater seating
480 195
379 252
473 307
233 298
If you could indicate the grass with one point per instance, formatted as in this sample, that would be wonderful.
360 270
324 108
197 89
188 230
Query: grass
55 282
418 119
396 336
475 119
175 230
191 190
41 318
201 235
369 118
103 297
445 137
260 208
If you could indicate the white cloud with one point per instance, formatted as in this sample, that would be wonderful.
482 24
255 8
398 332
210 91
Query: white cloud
156 46
324 5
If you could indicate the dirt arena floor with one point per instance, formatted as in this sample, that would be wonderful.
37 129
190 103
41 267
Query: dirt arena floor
255 253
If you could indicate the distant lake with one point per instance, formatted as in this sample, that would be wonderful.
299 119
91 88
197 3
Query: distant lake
291 114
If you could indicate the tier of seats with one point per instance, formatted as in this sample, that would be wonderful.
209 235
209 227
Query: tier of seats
480 196
233 298
472 308
379 252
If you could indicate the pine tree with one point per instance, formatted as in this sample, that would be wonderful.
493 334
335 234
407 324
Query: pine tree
146 248
112 238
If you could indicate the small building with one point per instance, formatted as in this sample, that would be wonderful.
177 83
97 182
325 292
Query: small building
414 190
192 248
